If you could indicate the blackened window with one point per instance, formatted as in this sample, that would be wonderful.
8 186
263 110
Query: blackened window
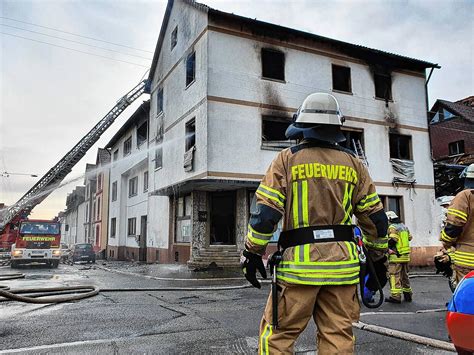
174 37
190 134
354 137
127 146
456 147
273 64
159 101
190 68
383 86
132 226
400 146
341 78
142 133
273 132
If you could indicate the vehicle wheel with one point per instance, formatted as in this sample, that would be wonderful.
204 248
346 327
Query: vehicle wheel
93 261
55 264
14 264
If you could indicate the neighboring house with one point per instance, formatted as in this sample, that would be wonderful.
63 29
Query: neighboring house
128 188
90 183
223 91
101 200
452 131
72 219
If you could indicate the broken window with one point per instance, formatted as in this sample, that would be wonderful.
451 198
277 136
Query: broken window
341 78
456 148
133 186
393 203
142 133
183 219
353 138
113 227
159 101
174 37
273 64
400 146
114 191
190 68
127 146
273 132
383 86
132 226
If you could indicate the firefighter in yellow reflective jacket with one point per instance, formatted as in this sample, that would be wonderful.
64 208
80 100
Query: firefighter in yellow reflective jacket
459 229
398 243
315 187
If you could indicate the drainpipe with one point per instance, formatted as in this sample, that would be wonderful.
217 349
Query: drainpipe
428 109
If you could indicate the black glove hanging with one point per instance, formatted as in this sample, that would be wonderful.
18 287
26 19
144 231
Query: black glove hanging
250 263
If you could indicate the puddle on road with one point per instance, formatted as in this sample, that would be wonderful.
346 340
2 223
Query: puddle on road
41 277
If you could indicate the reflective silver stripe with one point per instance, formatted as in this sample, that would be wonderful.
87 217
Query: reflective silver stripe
301 253
260 236
271 193
337 280
329 112
318 267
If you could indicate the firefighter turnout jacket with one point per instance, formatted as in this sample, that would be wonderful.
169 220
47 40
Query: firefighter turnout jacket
400 235
316 184
459 229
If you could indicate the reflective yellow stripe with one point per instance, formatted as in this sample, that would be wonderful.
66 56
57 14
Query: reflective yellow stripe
368 204
446 238
311 279
347 203
470 255
315 263
259 233
295 205
463 214
282 197
306 253
349 249
273 198
393 290
297 254
267 332
304 202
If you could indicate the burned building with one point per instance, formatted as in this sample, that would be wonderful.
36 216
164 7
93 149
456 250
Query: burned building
224 89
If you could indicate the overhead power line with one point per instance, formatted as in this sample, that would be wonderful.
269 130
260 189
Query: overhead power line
75 34
75 50
70 40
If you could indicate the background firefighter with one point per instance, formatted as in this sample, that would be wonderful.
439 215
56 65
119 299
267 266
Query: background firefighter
459 229
398 242
315 187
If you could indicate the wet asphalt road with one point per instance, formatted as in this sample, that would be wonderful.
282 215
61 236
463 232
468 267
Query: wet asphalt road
185 322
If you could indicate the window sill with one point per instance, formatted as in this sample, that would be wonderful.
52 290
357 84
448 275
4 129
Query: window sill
381 99
130 196
343 92
159 168
273 79
184 244
125 154
131 236
191 83
410 160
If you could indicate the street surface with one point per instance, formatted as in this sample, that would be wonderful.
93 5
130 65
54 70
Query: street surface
185 322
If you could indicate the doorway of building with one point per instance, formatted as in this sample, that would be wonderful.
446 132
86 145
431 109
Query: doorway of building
222 207
142 242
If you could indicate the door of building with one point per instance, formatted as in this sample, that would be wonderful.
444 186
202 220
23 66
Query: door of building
222 207
142 242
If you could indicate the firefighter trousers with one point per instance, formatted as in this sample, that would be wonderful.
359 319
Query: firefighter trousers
333 309
460 272
399 281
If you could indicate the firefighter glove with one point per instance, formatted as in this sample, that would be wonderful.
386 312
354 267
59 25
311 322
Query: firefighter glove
380 267
250 263
443 265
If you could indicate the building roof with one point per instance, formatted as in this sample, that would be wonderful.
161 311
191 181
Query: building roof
142 111
461 110
284 34
103 156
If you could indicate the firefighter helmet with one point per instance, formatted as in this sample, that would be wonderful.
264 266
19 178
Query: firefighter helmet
391 215
319 117
469 182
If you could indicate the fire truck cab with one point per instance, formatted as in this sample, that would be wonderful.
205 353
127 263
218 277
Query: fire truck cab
37 241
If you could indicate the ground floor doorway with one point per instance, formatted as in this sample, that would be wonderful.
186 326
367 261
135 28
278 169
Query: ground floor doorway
222 217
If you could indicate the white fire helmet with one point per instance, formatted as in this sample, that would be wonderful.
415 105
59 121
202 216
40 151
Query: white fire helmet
319 117
469 173
391 215
445 200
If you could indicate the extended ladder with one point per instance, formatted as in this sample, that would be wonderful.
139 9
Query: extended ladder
360 151
57 173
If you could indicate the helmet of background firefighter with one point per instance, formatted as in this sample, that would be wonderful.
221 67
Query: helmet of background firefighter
469 177
391 215
318 117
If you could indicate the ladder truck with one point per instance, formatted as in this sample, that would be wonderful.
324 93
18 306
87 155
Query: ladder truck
14 216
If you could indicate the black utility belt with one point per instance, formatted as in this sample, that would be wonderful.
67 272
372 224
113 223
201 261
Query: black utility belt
316 234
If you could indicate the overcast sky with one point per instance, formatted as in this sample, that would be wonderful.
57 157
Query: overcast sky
50 96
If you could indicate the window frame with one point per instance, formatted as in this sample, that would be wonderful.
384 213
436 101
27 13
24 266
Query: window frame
188 131
115 155
349 79
459 144
385 201
133 186
140 141
187 69
383 75
127 143
132 227
410 146
183 215
174 38
145 181
113 227
263 61
280 119
113 194
354 129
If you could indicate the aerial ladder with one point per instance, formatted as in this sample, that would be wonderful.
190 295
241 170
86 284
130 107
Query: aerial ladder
46 185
